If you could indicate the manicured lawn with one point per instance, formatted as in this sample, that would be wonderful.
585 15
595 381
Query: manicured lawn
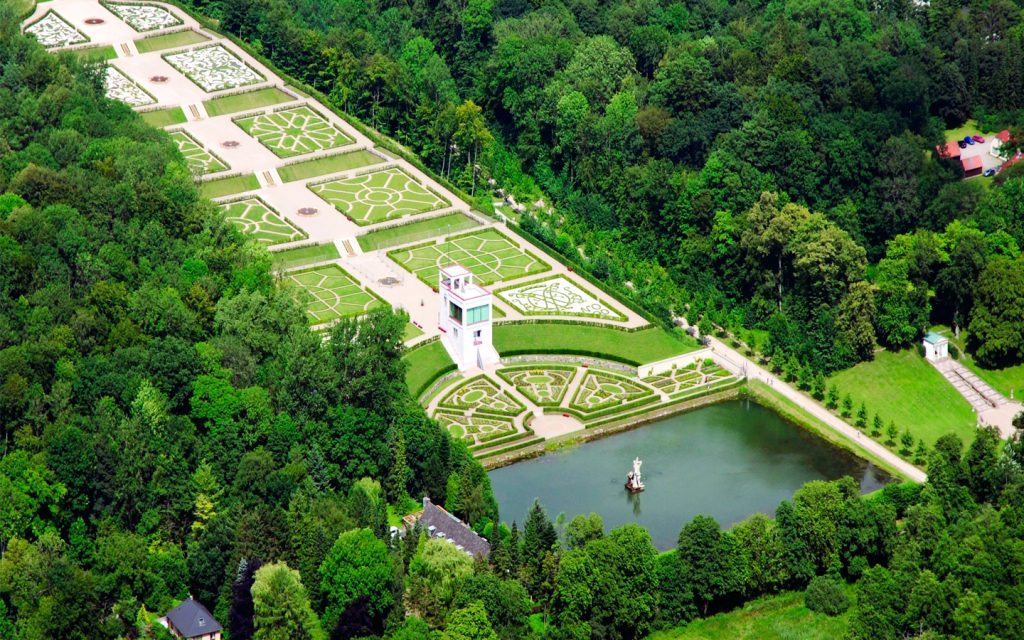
331 293
257 219
329 164
291 258
415 231
228 186
169 41
164 117
245 101
904 388
781 617
411 331
379 196
293 132
95 54
489 254
630 347
425 365
969 128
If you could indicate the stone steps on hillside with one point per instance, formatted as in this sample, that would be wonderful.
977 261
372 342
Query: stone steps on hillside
977 392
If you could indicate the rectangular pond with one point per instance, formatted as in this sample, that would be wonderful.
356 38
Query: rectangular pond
727 461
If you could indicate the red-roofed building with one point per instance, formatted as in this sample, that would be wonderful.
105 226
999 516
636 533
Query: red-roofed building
1004 135
949 150
972 166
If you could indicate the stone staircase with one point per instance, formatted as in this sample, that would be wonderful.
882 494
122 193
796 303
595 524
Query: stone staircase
976 391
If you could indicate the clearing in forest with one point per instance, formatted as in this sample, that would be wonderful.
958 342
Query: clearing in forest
293 132
490 255
333 293
200 160
259 220
378 196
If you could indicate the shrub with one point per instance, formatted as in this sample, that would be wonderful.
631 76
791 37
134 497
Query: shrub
825 595
954 352
920 349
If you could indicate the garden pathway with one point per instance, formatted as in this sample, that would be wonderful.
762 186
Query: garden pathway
851 433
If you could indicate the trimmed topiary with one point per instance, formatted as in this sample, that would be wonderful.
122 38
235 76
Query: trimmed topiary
825 595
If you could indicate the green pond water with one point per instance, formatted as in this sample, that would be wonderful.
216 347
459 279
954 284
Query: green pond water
727 461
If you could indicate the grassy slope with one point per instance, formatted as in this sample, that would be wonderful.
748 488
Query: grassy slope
904 387
290 258
781 617
424 363
415 231
245 101
329 164
637 347
169 41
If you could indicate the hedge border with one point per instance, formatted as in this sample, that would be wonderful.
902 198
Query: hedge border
442 404
378 169
703 390
555 367
289 107
192 79
58 48
618 316
574 405
106 4
255 196
481 443
516 447
179 129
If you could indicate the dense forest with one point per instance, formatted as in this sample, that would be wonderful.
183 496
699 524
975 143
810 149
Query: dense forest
762 164
171 426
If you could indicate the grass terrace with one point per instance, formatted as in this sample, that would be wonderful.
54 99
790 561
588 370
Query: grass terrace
415 231
246 101
630 347
95 54
904 388
329 164
169 41
311 254
228 186
426 363
164 117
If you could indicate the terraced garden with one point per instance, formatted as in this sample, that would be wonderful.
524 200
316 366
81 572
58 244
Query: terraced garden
330 293
200 160
490 255
544 385
294 132
378 196
482 395
557 296
257 219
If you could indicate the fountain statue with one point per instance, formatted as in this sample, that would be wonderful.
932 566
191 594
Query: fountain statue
633 482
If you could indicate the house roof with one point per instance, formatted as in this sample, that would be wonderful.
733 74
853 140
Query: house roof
949 150
1004 135
935 338
971 164
192 619
438 523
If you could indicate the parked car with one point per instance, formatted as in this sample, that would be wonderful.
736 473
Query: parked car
963 145
989 172
979 138
968 139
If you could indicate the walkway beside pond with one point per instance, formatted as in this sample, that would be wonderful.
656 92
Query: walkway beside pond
851 433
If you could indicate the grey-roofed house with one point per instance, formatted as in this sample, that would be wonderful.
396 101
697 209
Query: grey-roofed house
191 620
438 523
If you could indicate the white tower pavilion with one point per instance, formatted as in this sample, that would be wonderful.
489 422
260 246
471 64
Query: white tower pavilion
465 319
